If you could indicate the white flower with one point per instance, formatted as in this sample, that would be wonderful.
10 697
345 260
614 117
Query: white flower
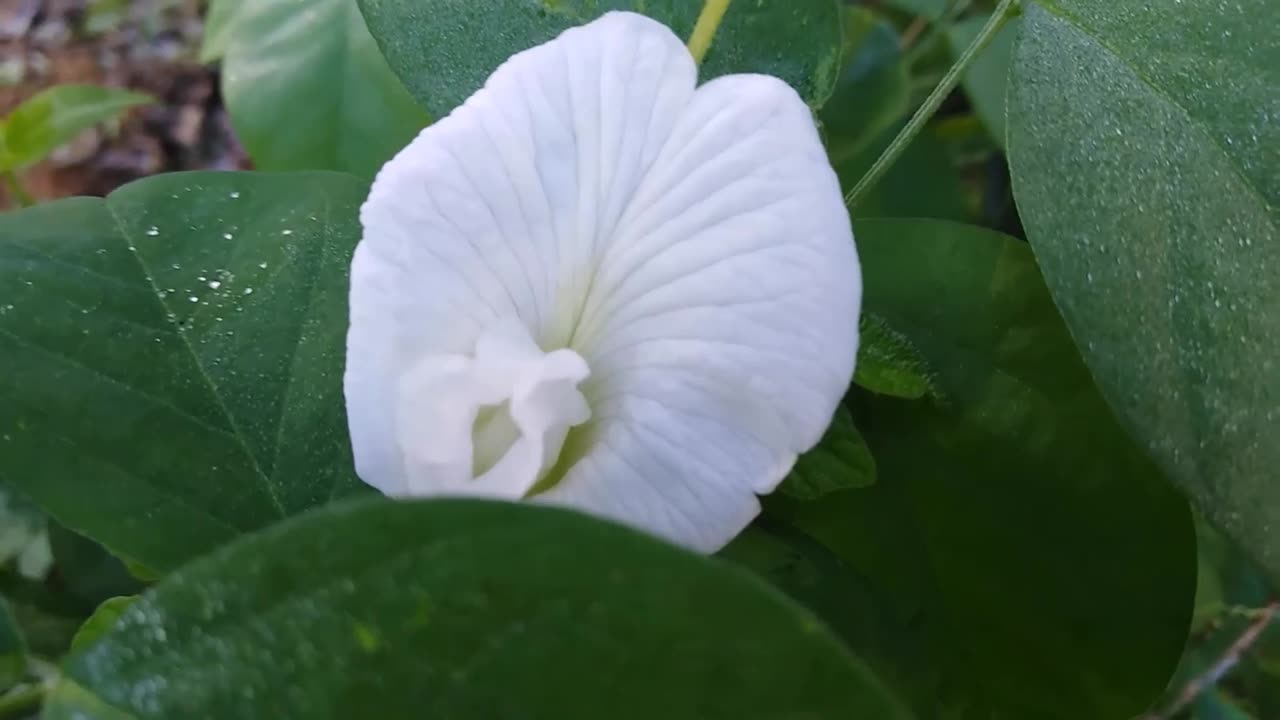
597 285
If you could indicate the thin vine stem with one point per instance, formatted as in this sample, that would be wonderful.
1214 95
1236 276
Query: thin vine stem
704 30
21 702
1210 677
931 103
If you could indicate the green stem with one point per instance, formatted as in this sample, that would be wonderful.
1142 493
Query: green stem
930 106
21 702
705 29
1229 659
19 193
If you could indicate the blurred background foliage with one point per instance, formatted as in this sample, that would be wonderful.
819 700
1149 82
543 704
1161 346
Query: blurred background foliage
206 87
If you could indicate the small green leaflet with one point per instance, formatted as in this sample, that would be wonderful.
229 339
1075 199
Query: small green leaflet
841 461
888 364
54 116
101 621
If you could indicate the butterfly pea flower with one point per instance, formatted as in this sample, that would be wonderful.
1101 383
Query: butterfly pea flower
598 285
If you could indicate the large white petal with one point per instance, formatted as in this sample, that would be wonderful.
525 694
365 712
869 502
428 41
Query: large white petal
500 209
722 327
692 247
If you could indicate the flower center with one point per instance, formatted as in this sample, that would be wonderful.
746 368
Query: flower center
492 423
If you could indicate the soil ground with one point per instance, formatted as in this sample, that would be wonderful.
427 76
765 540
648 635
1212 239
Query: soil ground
146 45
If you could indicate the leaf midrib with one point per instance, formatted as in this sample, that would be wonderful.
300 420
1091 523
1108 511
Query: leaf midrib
1052 9
212 386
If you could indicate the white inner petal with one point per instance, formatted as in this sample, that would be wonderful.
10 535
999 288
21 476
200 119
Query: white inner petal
491 423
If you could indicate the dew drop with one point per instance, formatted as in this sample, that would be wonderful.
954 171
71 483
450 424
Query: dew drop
153 231
214 284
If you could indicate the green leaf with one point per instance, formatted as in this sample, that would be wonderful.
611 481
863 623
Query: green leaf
1142 142
433 44
86 571
987 77
54 116
1015 518
873 89
13 651
219 27
924 182
840 462
464 609
101 621
141 572
887 361
171 357
879 632
307 87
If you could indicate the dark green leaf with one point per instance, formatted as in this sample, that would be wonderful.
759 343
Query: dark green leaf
55 116
873 89
13 651
883 634
1142 141
38 594
432 44
1015 515
987 76
887 362
86 571
100 622
308 89
463 609
171 357
840 462
923 182
140 572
